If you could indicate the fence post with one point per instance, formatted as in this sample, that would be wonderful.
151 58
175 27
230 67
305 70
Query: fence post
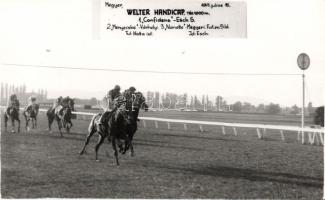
321 138
258 133
223 130
185 127
235 131
282 135
311 139
156 124
201 129
168 126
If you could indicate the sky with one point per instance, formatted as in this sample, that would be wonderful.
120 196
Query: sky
60 33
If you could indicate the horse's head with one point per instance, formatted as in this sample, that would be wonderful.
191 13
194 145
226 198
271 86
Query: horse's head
138 101
70 103
121 115
34 110
67 113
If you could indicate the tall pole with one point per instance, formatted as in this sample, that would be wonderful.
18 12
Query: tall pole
303 109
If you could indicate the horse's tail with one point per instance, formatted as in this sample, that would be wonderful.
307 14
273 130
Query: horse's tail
92 123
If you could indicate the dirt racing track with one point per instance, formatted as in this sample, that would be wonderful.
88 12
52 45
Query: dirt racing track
168 164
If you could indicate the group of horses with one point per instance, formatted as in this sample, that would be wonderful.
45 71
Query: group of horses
29 113
62 114
118 125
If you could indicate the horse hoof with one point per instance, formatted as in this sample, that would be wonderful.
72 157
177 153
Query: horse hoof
97 160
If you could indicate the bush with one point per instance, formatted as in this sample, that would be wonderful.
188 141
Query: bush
319 116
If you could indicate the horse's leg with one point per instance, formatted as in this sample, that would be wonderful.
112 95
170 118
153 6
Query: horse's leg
67 127
13 123
127 144
60 126
6 121
50 120
18 124
26 120
115 149
131 148
91 133
33 123
100 141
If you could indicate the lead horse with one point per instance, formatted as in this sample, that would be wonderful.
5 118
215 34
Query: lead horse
112 126
12 113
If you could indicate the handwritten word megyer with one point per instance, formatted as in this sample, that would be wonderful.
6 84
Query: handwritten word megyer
156 11
112 5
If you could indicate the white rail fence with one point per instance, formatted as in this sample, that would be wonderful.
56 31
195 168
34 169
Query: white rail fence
314 135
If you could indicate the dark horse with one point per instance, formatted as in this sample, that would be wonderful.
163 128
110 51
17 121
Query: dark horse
133 105
30 113
12 113
113 126
62 114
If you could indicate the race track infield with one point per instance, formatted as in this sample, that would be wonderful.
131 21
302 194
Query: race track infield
168 164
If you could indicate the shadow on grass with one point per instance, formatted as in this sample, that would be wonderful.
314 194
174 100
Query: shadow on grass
197 137
248 174
169 146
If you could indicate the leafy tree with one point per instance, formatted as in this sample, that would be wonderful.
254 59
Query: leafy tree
319 116
294 109
237 107
93 101
260 108
273 108
310 108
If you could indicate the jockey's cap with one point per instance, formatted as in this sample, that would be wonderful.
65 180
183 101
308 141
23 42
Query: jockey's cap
117 87
132 89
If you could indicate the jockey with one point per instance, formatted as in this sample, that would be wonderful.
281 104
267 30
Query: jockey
14 102
114 101
111 95
57 104
31 102
128 95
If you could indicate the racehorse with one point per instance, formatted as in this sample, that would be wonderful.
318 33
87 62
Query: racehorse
62 114
30 113
133 106
113 126
13 114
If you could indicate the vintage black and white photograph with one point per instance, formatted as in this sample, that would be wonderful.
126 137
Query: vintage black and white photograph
162 99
